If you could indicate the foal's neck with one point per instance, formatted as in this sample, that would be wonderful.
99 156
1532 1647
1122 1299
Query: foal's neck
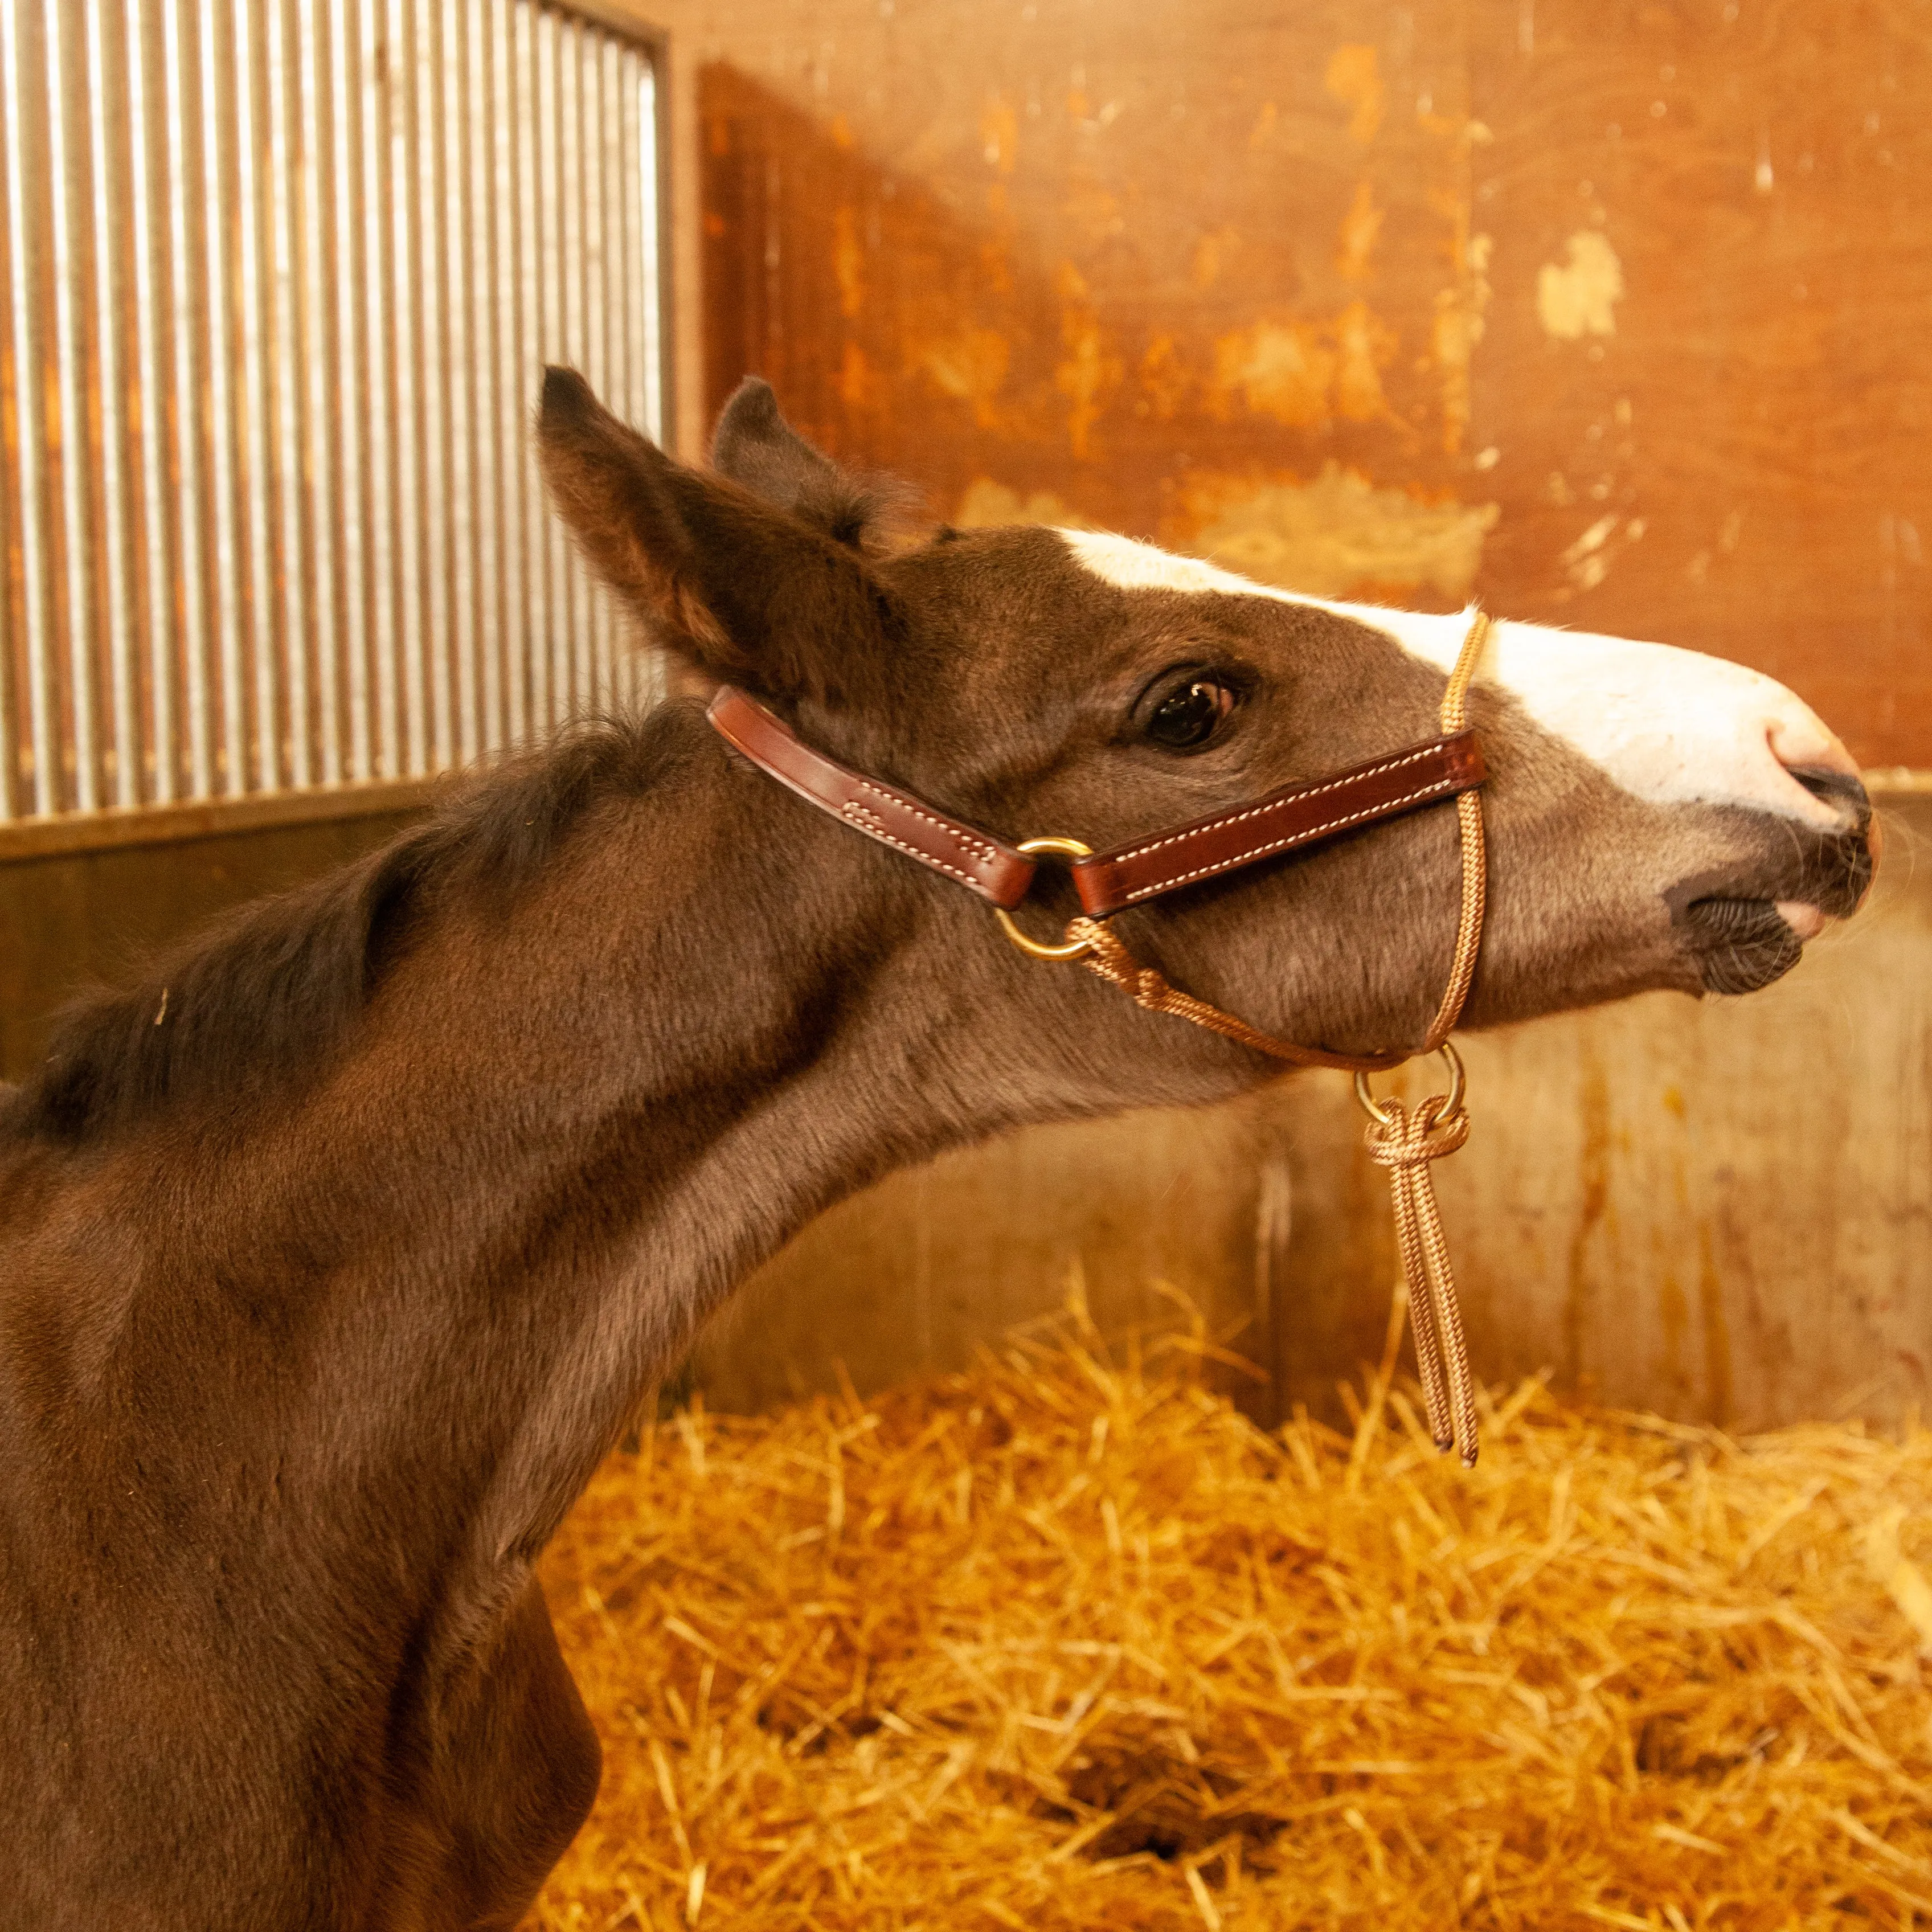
404 1304
578 1113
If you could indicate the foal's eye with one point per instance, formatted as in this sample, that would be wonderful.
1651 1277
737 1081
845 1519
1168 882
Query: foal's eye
1185 717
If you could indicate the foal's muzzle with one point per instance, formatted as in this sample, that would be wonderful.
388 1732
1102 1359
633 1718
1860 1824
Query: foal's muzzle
1748 927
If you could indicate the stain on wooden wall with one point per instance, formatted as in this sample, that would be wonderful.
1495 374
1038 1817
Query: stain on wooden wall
1612 315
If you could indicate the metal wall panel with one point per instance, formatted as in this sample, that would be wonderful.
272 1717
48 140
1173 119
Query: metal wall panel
277 285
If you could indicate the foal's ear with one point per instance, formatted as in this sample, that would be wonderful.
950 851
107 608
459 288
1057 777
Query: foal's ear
745 591
754 445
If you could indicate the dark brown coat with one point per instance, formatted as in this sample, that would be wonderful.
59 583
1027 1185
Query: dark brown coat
335 1253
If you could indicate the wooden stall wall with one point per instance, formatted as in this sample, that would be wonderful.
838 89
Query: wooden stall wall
1610 315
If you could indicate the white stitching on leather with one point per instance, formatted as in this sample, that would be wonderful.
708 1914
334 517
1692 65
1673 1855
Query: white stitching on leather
976 848
869 822
1439 786
1312 791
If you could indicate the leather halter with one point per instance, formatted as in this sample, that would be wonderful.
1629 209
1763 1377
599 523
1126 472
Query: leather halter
1402 1139
1290 819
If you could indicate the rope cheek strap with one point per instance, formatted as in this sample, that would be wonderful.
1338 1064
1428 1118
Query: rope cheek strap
1403 1140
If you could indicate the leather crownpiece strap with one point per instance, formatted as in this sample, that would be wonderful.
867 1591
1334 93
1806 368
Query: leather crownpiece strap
1285 821
976 859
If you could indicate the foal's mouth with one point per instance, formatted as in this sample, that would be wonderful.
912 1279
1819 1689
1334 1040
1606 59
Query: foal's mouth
1747 927
1744 939
1743 945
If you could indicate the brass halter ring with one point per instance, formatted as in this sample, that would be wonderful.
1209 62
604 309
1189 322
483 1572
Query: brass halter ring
1063 848
1380 1115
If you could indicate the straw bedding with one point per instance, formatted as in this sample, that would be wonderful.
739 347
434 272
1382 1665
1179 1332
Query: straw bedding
1062 1644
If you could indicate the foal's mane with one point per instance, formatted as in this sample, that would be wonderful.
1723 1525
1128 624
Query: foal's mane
266 993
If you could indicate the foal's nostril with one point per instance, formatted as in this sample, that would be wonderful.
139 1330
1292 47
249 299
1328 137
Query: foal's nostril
1835 787
1844 793
1839 873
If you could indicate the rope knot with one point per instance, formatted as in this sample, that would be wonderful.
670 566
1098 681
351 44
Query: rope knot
1110 958
1413 1139
1405 1141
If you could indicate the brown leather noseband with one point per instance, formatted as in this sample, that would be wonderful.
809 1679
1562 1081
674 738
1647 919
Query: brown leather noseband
1288 820
1402 1139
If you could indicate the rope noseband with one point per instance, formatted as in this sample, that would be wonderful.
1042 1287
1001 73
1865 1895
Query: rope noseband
1403 1140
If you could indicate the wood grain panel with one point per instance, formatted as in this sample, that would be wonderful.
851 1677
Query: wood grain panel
1610 314
1099 283
1756 423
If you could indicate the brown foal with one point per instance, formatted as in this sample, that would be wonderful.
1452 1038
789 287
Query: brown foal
335 1252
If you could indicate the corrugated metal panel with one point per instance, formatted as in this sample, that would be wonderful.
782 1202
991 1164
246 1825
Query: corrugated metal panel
277 282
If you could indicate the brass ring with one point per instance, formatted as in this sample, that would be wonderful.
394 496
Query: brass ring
1064 848
1380 1115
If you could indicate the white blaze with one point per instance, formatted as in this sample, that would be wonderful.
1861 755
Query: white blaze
1672 726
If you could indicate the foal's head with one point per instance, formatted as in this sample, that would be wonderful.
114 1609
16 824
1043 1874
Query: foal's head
1657 818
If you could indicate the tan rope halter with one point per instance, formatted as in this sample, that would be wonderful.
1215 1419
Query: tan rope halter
1403 1140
